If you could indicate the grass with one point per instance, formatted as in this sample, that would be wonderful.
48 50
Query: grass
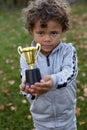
14 109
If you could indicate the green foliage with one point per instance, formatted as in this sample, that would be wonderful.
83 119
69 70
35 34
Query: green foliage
12 3
14 109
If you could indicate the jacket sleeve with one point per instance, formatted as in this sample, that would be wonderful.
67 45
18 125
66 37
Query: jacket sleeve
69 69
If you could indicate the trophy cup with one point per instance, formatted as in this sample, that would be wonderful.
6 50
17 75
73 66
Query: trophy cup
32 75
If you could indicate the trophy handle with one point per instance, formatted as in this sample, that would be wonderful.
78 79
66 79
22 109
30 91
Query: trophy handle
20 50
38 47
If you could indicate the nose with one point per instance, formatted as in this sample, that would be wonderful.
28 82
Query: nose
47 38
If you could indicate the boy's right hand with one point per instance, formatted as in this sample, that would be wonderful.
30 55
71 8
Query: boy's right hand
26 88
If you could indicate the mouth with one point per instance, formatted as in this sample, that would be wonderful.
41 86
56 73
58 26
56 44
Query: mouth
47 46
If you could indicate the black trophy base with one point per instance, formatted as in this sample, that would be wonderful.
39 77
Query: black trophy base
32 76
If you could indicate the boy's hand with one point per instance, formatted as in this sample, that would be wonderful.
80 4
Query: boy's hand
39 87
42 87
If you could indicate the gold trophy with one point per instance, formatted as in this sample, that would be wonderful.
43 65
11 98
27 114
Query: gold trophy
31 53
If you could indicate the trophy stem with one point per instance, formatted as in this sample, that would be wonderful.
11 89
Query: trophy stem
31 67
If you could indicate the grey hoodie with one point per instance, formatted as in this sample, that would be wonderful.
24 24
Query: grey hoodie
55 108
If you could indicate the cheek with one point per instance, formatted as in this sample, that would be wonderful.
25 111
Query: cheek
38 39
56 39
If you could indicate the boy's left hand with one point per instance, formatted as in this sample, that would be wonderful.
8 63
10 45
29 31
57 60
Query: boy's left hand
41 87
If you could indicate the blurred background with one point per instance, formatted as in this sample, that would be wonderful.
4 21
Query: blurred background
14 108
11 3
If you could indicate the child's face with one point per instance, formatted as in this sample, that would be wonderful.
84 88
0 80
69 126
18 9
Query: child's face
48 37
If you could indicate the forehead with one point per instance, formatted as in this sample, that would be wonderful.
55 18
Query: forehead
50 24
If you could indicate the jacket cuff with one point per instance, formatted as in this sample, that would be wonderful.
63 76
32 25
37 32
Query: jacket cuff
55 84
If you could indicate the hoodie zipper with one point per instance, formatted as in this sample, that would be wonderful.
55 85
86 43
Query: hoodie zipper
48 61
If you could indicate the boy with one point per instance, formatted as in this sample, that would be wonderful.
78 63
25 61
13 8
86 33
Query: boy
55 95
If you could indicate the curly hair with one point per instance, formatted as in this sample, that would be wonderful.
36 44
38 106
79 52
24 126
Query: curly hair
45 10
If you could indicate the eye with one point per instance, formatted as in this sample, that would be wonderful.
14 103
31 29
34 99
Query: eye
54 33
40 33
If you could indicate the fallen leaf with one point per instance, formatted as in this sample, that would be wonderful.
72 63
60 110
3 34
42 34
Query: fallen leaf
12 67
8 61
9 104
81 122
5 91
4 78
85 64
11 82
81 98
78 111
29 117
85 91
78 90
13 108
83 74
78 81
24 101
1 71
2 107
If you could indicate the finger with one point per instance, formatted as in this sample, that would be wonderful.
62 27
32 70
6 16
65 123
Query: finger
32 90
22 87
38 84
46 78
26 89
42 81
